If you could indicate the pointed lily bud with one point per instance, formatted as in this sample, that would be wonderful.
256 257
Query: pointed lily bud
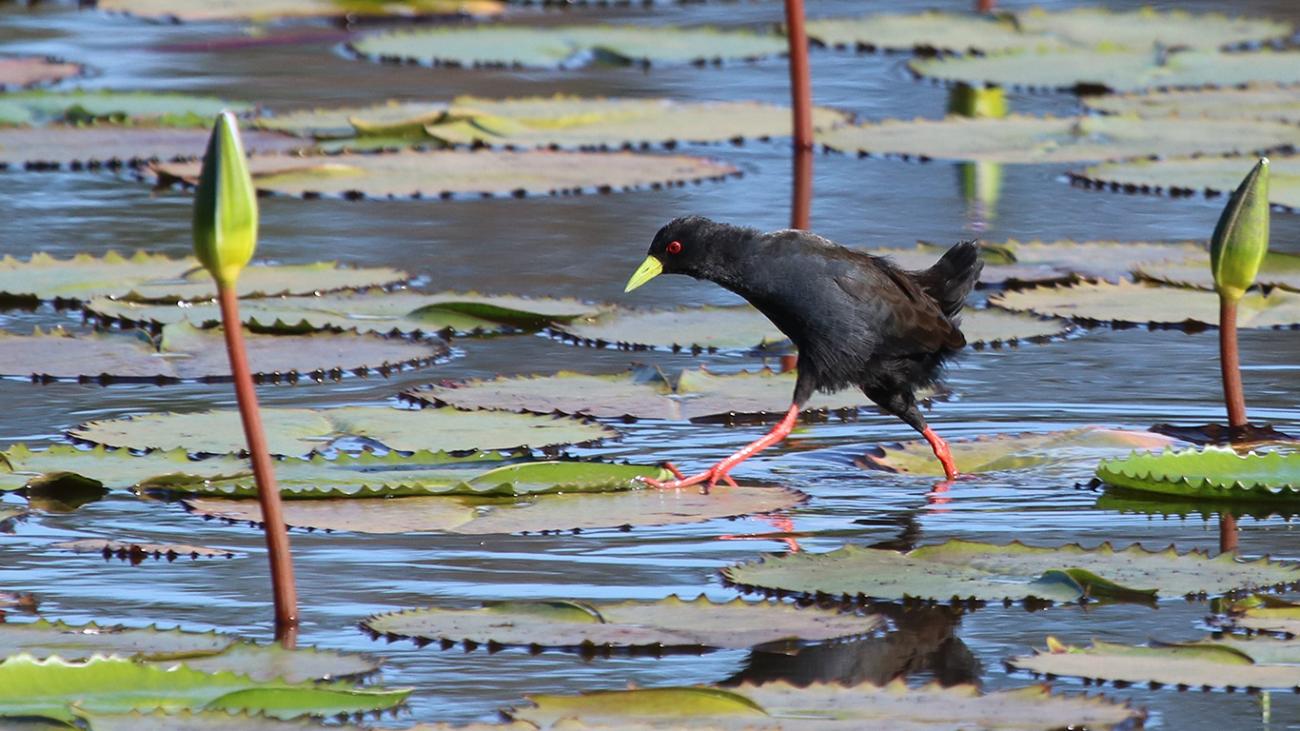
1240 239
977 102
225 205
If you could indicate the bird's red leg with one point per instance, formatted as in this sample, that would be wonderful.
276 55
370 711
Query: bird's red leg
719 471
941 451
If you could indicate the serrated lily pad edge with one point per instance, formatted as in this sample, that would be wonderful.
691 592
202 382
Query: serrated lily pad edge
1129 473
1081 179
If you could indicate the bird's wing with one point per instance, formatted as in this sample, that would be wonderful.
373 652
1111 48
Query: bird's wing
909 320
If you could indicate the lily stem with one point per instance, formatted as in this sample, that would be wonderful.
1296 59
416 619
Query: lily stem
800 77
1230 363
1227 533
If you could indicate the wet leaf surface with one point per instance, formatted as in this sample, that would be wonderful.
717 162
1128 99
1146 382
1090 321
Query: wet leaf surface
24 71
268 10
962 570
1129 303
197 721
137 551
1020 139
1273 102
81 106
115 146
668 623
1189 176
1265 614
1212 473
1208 664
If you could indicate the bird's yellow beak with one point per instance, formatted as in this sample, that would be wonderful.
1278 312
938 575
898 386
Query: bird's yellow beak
649 269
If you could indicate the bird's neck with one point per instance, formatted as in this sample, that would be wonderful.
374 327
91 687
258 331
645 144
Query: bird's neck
734 256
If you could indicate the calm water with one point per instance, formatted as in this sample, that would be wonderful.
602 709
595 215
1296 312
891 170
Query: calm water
586 247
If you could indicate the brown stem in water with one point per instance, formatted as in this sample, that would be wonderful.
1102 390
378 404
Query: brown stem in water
1230 364
985 6
268 494
1227 533
800 77
801 191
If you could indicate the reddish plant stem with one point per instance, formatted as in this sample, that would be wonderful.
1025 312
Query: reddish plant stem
268 494
1230 364
985 6
1227 533
801 191
800 77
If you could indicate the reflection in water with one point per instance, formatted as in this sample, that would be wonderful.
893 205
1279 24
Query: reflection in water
981 186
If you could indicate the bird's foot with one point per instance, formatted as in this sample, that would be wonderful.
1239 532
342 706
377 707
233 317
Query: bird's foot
706 479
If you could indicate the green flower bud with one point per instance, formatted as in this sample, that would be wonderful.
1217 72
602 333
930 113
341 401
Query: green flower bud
979 102
1240 239
225 205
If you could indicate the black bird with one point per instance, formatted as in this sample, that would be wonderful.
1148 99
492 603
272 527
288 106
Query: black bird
857 320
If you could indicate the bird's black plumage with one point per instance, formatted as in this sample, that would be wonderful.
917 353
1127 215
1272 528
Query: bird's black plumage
857 320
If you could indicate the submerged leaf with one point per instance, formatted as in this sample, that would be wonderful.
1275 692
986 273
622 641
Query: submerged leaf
1192 175
1213 473
1129 303
1209 664
58 145
1273 102
83 106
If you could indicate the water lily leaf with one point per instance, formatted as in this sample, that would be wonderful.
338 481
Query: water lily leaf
532 514
403 312
51 688
184 352
1214 473
56 146
828 707
668 623
1272 102
1114 69
191 11
83 106
1146 27
1127 302
1020 139
1019 263
137 551
736 328
1187 176
565 46
959 570
1013 451
1193 664
24 71
195 721
162 278
24 468
925 31
299 431
1266 614
448 173
1279 269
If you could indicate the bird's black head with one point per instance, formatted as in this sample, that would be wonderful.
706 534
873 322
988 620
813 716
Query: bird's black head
691 245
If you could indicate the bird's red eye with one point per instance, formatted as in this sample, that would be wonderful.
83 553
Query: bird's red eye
674 247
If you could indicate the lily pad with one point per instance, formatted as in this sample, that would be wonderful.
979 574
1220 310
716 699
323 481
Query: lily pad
566 46
1130 303
197 721
186 353
670 623
477 173
161 278
61 464
24 71
1018 263
1212 473
1279 269
292 431
1177 177
925 31
81 106
137 551
700 329
1266 614
1020 139
1209 664
404 312
1147 27
1114 69
532 514
1272 102
965 570
1013 451
827 707
191 11
56 146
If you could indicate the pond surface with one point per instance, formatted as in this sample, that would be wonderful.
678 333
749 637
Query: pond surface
586 247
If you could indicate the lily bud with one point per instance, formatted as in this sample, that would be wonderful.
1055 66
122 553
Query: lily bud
978 102
1240 239
225 205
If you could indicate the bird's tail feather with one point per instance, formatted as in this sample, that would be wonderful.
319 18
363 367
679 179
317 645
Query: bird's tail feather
953 277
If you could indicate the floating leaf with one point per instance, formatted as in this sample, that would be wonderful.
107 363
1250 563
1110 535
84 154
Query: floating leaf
1126 302
267 10
1188 176
81 106
667 623
533 514
1114 69
1266 614
565 46
21 467
736 328
1020 139
449 173
25 71
404 312
1272 102
158 277
926 31
826 706
1026 262
137 551
197 721
1192 664
961 570
1279 269
184 352
299 431
1213 473
1013 451
56 146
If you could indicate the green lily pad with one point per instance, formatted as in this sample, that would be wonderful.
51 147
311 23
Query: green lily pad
1272 102
1019 263
137 551
49 469
737 328
1209 664
1130 303
185 353
537 513
566 46
55 146
1020 139
192 11
292 431
1212 473
825 706
161 278
404 312
56 688
1179 177
925 31
1265 614
1013 451
1279 269
670 623
197 721
476 173
961 570
1114 69
1146 27
118 107
25 71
